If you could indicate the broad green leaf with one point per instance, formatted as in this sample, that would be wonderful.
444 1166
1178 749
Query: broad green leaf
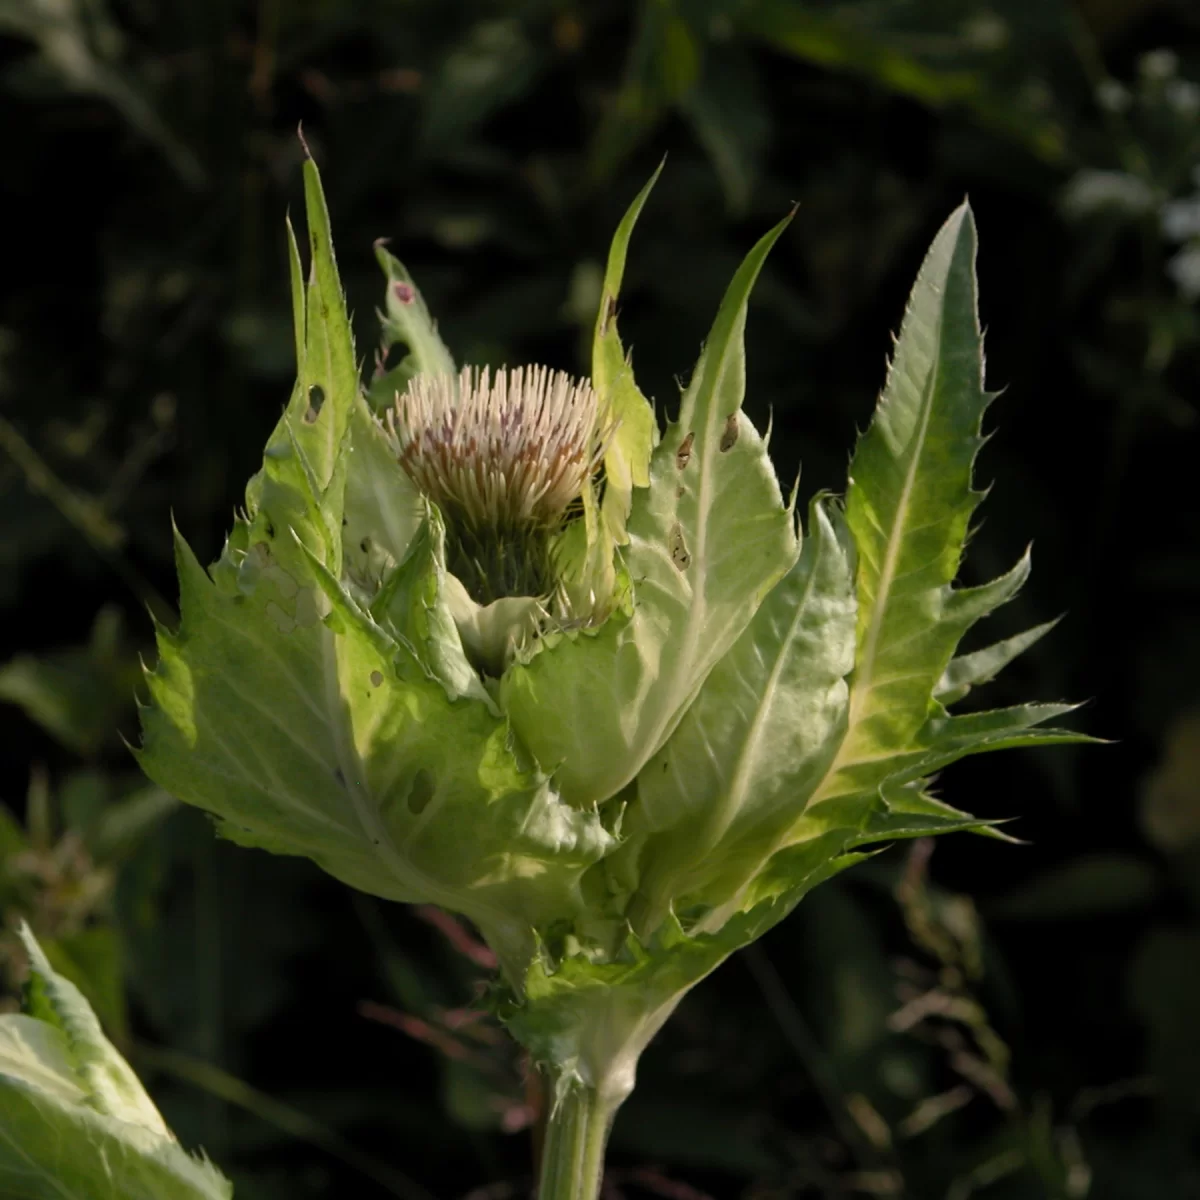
717 801
75 1122
708 538
309 727
328 738
627 459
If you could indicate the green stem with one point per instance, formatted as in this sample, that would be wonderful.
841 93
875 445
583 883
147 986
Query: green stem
573 1151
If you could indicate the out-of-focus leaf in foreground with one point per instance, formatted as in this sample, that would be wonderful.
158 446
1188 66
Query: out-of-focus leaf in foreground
75 1122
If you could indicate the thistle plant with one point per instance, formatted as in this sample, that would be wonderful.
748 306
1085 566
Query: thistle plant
499 642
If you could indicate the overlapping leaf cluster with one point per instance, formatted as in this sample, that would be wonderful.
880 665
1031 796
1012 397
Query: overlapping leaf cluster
618 802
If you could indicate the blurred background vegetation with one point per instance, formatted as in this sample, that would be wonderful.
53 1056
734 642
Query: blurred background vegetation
986 1021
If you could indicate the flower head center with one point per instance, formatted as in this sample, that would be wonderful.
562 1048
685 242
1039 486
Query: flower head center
503 456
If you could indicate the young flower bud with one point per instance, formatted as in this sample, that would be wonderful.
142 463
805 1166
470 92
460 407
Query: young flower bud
503 457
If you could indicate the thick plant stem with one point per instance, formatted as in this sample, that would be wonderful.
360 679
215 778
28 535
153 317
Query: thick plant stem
573 1151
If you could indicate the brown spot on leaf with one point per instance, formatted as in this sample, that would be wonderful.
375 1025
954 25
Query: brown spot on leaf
376 678
404 292
680 555
683 455
730 436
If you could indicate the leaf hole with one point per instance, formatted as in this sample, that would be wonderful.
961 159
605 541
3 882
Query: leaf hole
680 555
316 401
730 436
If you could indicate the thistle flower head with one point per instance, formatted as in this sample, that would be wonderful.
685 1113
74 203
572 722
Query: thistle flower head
503 457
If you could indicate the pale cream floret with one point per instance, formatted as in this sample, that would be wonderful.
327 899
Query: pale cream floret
505 451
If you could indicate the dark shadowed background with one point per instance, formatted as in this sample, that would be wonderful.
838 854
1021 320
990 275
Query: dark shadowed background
993 1021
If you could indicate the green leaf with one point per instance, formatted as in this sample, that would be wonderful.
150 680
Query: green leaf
970 670
75 1122
909 507
910 499
413 607
328 738
309 726
708 538
406 321
383 509
591 1019
106 1079
822 721
718 800
627 459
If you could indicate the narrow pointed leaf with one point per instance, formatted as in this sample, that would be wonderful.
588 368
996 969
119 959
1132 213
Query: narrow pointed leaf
910 498
627 459
407 322
970 670
909 507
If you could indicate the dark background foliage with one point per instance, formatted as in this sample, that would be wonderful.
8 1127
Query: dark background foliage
993 1021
